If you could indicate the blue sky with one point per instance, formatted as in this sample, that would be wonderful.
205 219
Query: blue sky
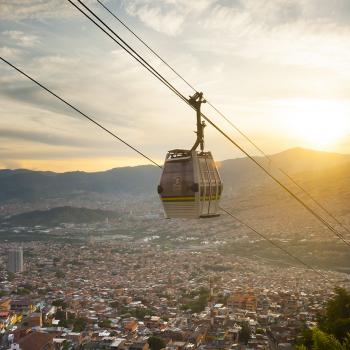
279 69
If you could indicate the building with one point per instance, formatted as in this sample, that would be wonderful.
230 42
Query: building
243 301
15 260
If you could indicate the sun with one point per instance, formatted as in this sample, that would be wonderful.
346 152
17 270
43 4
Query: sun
318 124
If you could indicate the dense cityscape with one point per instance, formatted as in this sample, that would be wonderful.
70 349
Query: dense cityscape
108 292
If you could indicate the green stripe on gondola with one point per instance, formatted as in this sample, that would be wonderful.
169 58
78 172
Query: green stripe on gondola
179 199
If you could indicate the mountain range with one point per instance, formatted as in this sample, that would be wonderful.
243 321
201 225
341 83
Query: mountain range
28 185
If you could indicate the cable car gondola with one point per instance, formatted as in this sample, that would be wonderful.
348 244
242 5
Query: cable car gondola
190 185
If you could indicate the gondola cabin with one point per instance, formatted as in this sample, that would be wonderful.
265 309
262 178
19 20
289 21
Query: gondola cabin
190 185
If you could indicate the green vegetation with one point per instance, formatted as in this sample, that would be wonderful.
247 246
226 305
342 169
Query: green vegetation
10 276
3 293
60 274
62 317
156 343
333 332
337 319
105 323
59 303
221 299
114 304
69 321
196 302
79 324
245 333
259 331
23 291
138 313
66 345
323 341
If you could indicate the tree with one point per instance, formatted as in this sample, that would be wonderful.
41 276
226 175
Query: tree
306 339
59 303
105 324
337 318
156 343
66 345
79 324
60 274
199 301
245 333
333 332
114 304
23 291
10 276
259 331
324 341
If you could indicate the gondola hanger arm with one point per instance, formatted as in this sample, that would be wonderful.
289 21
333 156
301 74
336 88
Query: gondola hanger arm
196 101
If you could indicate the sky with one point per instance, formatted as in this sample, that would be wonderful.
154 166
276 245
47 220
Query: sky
278 69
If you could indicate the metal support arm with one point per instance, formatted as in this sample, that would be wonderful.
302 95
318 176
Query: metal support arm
196 101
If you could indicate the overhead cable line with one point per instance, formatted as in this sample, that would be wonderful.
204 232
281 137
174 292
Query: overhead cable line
316 201
146 45
223 116
309 209
126 47
274 243
81 113
181 77
122 43
136 150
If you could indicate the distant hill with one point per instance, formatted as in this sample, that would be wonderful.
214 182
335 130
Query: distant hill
34 185
59 215
236 173
242 172
268 206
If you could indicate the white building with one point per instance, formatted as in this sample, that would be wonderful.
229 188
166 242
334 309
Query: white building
15 260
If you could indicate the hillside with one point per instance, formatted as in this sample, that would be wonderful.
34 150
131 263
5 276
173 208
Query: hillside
58 215
274 210
242 172
236 173
33 185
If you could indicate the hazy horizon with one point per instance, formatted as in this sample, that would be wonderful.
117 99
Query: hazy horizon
150 164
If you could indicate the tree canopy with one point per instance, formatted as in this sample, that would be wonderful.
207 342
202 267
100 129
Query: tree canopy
156 343
337 319
333 331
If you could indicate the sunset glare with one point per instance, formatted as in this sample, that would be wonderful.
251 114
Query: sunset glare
318 124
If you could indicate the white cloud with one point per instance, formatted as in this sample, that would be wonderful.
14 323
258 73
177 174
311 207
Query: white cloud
276 35
9 53
21 39
167 16
36 9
